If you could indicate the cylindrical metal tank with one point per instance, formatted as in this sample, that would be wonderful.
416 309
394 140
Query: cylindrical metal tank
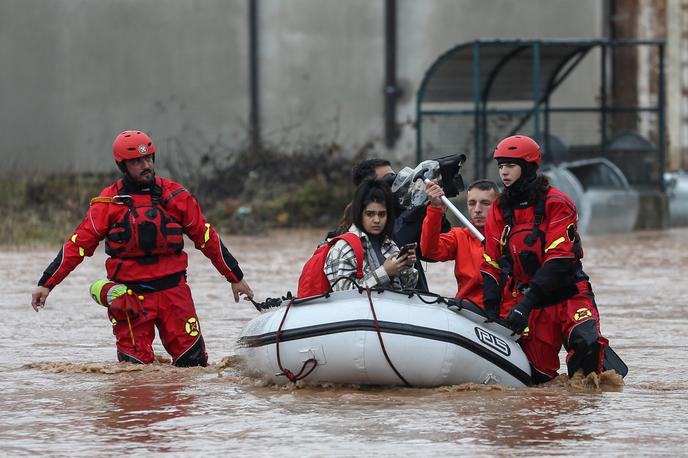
676 185
605 201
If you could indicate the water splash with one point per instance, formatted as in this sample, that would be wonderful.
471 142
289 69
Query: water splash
606 381
477 387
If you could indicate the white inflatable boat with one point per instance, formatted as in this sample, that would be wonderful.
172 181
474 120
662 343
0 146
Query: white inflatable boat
385 338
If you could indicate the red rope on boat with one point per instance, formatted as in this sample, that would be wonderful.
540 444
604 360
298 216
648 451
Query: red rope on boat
382 344
286 372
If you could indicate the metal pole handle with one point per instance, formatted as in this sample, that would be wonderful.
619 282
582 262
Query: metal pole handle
459 215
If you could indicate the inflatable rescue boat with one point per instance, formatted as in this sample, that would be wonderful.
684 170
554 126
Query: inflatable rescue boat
381 337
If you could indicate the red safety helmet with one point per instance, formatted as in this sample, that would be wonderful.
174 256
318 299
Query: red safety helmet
519 147
132 144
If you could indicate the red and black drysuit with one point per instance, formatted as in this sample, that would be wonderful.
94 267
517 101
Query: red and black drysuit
144 231
537 246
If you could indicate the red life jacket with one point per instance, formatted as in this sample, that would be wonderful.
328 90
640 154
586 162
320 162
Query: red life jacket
143 229
523 243
313 281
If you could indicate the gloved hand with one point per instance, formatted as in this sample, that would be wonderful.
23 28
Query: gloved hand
517 319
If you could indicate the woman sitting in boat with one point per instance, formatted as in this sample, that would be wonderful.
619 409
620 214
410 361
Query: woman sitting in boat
373 216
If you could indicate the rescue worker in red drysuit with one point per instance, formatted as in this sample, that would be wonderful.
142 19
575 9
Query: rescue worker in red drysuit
459 244
143 219
531 236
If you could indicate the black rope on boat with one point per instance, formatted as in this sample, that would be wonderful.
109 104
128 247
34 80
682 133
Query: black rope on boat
436 298
270 302
382 344
351 277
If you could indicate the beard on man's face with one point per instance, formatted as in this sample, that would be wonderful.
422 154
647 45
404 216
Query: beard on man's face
143 179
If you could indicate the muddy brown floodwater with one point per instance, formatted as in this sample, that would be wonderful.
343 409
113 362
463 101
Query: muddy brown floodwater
62 394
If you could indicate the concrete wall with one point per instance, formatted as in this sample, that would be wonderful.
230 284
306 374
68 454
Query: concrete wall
76 72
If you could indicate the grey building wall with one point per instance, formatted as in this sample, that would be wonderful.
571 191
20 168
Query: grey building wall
76 72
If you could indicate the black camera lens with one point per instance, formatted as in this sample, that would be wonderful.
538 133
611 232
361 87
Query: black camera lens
389 178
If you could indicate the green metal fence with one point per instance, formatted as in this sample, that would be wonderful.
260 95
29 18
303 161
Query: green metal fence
578 98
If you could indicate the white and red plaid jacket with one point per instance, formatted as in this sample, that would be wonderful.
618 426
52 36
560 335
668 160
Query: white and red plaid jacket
341 262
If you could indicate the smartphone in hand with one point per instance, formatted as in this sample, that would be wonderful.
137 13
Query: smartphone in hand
406 248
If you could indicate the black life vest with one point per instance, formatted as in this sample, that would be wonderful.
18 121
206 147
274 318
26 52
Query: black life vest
144 229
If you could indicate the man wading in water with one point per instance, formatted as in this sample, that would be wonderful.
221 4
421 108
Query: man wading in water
143 219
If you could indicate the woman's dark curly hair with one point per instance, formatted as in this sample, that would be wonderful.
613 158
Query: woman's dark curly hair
372 190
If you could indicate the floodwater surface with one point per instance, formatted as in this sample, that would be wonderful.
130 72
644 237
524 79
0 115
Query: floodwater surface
63 394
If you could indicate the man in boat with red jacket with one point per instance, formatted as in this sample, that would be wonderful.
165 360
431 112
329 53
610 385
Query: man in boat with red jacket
531 238
144 219
460 245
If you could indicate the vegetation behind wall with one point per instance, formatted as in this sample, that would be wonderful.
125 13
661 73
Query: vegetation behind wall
244 191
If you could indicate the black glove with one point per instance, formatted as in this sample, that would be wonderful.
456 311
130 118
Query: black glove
492 296
517 319
492 311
